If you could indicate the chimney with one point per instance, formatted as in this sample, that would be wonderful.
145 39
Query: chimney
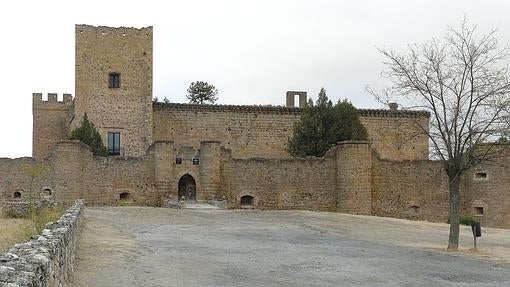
393 106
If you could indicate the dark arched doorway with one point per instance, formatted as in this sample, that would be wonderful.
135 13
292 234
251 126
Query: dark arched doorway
187 188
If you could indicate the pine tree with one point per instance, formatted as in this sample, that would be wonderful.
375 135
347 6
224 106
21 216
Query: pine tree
202 93
324 124
88 134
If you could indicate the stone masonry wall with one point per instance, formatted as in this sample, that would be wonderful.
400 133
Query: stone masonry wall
25 180
281 183
101 180
72 172
47 259
486 192
263 131
397 135
248 132
128 109
410 189
353 177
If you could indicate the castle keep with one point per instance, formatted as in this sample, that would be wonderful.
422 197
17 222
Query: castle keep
167 152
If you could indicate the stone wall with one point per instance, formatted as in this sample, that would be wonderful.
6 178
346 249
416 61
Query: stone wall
51 120
397 135
353 177
410 189
127 109
47 259
102 180
485 192
25 180
263 131
280 183
249 131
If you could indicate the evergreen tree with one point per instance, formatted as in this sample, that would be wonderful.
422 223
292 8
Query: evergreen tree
324 124
202 93
88 134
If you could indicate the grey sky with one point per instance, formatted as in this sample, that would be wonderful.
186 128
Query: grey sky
252 51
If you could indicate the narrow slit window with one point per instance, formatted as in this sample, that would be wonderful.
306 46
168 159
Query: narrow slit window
114 80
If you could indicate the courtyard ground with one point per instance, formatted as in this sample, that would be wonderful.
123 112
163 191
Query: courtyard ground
139 246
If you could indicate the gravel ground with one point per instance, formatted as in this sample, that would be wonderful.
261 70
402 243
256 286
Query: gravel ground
136 246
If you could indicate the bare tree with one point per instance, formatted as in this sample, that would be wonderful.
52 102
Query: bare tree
463 81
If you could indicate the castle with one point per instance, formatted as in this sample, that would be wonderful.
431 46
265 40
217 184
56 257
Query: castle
164 152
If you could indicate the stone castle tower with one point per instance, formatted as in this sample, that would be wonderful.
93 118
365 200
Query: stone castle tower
113 80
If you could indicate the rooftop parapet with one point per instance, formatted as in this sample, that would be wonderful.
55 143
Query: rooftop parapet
282 110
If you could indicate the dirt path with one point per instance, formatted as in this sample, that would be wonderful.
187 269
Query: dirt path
133 246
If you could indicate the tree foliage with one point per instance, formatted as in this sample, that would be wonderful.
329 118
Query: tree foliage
202 93
463 81
88 134
324 124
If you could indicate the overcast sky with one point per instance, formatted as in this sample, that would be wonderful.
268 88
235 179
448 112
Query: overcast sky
252 51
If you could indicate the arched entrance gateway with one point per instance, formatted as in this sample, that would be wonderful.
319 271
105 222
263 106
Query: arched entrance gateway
187 188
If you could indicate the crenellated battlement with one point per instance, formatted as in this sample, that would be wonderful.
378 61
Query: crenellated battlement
51 119
37 98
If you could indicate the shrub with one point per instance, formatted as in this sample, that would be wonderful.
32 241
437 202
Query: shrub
323 125
88 134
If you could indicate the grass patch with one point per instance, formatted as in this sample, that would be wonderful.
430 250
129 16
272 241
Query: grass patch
465 221
15 229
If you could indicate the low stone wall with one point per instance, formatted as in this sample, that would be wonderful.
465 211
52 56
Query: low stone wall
47 259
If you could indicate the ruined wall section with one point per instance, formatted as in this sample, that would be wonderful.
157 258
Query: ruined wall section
397 135
51 122
127 109
410 189
249 131
280 183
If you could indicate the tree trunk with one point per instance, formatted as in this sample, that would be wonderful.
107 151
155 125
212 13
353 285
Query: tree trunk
453 186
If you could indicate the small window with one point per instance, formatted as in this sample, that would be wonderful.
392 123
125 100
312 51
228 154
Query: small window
178 160
481 175
195 161
114 143
478 211
17 195
114 80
